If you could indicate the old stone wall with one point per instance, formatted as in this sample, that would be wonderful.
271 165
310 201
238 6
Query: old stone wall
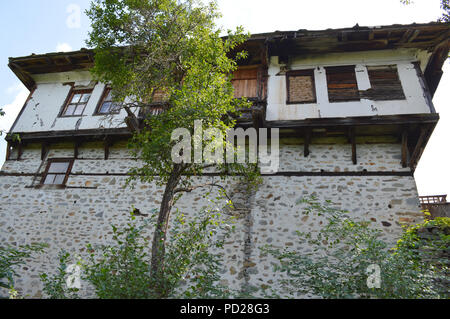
376 189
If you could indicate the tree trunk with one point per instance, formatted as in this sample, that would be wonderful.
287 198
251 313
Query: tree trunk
160 234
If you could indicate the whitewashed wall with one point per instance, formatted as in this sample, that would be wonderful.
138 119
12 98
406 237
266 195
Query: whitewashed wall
41 112
415 102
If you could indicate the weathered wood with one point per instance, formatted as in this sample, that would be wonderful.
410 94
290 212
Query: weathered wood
106 145
308 134
353 142
44 149
76 147
358 121
405 148
341 83
20 150
8 151
420 145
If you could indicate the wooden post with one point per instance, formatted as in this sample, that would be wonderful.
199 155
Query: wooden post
8 151
44 149
307 142
20 151
353 142
75 149
106 144
404 148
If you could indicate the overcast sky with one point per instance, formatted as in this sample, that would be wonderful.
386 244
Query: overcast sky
42 26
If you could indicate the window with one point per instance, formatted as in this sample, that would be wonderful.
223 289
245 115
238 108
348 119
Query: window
76 102
342 85
106 105
245 82
385 83
300 86
57 171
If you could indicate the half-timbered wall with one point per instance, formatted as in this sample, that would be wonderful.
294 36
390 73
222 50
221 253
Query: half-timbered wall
347 85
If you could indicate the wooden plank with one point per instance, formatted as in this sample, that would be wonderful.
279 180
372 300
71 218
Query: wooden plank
404 148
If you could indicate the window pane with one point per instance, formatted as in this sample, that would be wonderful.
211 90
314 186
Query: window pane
115 107
59 179
108 96
70 109
76 98
85 98
49 179
58 167
79 109
105 107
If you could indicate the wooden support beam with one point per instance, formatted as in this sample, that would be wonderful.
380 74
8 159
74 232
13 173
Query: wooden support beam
8 151
405 148
307 142
20 151
107 144
419 147
76 148
44 150
131 120
353 142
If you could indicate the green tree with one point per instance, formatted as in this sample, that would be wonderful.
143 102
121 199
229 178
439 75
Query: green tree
13 257
122 269
338 261
445 6
145 47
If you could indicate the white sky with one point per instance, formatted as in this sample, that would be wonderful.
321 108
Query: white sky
257 16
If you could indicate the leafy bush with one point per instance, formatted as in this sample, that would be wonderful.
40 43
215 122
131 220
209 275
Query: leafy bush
342 252
122 269
11 258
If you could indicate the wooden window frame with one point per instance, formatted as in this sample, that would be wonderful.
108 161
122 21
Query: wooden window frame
69 99
334 69
102 100
57 160
307 72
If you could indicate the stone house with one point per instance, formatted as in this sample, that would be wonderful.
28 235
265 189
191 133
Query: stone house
354 111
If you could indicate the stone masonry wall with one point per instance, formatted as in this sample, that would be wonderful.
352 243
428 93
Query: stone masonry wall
95 198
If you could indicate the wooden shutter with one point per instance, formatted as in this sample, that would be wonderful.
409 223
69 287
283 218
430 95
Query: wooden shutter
385 83
342 85
245 82
300 86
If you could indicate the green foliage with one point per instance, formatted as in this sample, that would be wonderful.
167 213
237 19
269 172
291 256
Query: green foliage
336 264
445 6
11 258
149 45
122 269
55 285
